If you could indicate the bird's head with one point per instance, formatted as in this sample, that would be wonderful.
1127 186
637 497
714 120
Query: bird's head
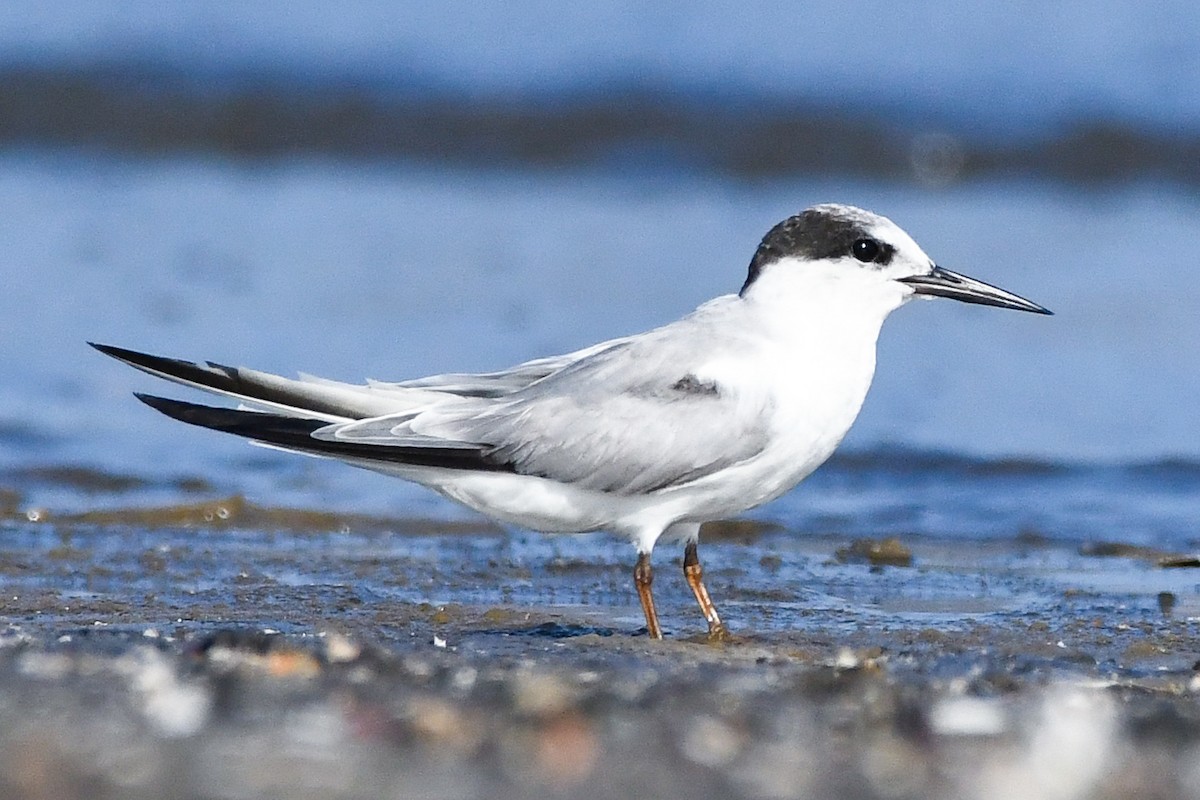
860 254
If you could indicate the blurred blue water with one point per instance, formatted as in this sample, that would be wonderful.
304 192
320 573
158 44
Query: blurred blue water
389 273
1004 66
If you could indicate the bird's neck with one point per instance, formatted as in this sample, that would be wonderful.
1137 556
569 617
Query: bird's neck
826 303
819 328
819 331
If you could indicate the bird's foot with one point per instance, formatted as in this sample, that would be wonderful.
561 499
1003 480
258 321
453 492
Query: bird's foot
719 634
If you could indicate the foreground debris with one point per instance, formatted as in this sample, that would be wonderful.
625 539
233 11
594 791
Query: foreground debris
514 710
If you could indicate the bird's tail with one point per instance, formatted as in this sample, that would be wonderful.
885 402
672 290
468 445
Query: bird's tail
296 433
306 398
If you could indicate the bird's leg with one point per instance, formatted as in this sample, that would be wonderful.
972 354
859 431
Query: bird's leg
643 576
695 578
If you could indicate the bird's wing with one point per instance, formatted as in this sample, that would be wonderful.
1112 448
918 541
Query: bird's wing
629 419
495 384
311 397
305 398
296 433
625 416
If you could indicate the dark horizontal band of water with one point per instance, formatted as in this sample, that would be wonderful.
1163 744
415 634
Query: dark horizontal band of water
149 111
886 462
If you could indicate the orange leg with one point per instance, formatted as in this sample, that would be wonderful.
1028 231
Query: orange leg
695 578
643 576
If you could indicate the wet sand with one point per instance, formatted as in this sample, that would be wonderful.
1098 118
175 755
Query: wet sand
223 649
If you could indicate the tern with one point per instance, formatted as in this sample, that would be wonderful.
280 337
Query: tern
646 436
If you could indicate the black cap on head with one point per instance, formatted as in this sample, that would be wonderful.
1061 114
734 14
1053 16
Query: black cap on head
813 234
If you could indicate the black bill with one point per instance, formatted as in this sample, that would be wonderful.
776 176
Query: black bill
944 283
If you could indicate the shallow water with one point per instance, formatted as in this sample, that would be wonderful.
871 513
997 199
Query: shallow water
772 574
392 273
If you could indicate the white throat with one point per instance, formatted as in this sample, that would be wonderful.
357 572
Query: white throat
825 298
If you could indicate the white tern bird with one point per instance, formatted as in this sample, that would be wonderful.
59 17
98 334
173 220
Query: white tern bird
646 436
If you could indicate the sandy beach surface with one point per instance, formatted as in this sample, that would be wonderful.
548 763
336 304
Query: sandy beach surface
227 650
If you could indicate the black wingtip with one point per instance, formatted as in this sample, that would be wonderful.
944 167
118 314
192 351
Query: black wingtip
176 409
108 349
248 385
170 367
119 353
251 424
296 434
213 376
192 413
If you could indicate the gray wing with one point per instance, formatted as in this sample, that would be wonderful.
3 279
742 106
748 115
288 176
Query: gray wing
628 419
311 397
635 442
495 384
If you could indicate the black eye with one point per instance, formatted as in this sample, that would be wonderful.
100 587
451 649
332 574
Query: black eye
865 250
